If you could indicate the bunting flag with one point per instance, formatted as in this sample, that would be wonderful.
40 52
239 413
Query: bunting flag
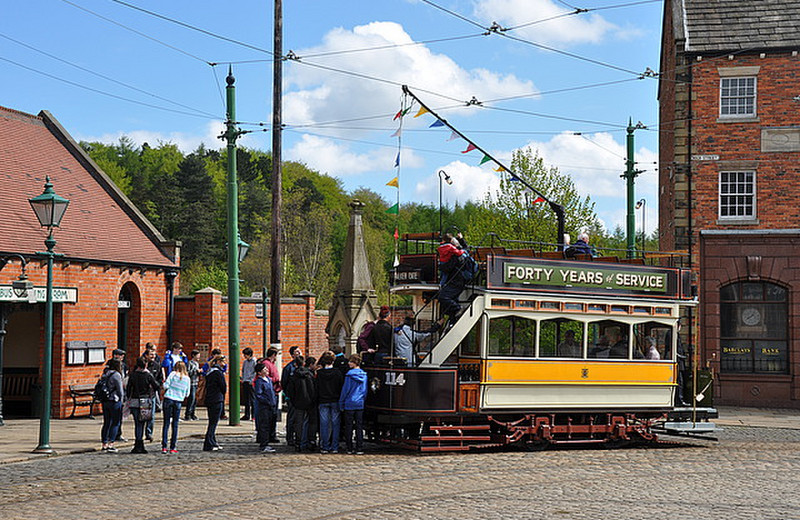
393 182
401 113
397 160
513 177
397 133
453 136
436 124
469 148
396 234
485 159
422 110
499 169
394 210
537 200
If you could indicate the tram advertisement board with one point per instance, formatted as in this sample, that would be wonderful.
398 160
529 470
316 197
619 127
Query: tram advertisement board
582 277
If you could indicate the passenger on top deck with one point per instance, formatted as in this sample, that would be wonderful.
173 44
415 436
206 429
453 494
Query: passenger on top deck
580 247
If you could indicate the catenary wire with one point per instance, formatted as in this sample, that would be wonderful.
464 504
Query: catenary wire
193 28
103 76
98 91
143 35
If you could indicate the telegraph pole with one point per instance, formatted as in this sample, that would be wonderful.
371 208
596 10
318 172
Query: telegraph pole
629 176
276 278
231 134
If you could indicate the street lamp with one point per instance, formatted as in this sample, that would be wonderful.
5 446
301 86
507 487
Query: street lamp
449 181
642 203
49 209
243 247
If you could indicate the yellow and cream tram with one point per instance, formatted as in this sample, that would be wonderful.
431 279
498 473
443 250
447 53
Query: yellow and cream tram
545 351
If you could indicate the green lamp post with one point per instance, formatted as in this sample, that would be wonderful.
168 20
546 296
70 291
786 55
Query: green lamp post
49 209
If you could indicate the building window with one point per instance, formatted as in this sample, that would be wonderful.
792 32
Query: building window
754 328
737 97
737 195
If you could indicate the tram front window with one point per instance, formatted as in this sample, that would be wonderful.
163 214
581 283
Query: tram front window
651 341
561 338
608 339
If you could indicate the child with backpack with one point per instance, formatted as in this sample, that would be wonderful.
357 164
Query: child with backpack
111 394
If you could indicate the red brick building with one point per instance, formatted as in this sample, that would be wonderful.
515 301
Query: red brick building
729 170
114 283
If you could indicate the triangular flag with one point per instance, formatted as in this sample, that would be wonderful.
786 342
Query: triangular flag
469 148
422 110
396 133
499 169
393 182
513 177
485 159
398 114
396 260
397 160
453 136
436 123
396 234
395 210
538 200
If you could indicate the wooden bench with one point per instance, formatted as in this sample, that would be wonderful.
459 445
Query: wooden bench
17 387
82 395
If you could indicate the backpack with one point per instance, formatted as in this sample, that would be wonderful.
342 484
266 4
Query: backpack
469 267
102 389
363 341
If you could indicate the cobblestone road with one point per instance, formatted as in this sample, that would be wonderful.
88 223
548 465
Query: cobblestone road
750 473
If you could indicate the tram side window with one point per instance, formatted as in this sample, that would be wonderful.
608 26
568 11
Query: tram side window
561 338
511 336
655 334
608 339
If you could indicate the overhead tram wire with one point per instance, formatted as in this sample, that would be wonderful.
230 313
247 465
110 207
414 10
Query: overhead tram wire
107 78
425 150
98 91
143 35
193 28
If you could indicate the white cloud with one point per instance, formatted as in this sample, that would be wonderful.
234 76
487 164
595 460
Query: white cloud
581 28
469 183
186 143
332 158
317 95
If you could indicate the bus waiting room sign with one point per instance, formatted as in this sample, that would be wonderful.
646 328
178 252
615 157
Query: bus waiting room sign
582 277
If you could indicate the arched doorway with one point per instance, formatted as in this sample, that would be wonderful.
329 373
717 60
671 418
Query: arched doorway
129 321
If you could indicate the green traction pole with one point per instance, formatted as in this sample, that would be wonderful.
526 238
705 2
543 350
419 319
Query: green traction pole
231 134
629 176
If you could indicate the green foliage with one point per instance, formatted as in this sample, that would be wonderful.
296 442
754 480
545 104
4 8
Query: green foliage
197 275
511 214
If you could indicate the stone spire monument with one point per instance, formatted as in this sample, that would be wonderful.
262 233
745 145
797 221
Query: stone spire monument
354 302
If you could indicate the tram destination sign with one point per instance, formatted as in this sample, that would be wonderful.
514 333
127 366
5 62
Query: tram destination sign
582 277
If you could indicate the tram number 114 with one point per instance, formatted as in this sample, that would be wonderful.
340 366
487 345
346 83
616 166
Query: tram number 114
395 379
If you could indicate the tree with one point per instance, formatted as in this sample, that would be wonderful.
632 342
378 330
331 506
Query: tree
512 213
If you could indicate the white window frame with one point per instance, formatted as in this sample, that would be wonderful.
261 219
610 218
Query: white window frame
729 217
747 115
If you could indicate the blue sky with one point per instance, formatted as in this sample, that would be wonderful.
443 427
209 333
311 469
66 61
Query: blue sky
339 123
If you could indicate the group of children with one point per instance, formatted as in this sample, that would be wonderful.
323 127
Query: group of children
317 394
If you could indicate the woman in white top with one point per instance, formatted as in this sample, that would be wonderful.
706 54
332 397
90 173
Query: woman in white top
176 388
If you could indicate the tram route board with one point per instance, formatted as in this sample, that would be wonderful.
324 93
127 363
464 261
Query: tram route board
586 278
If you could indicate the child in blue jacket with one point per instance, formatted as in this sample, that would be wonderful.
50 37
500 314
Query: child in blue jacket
351 402
265 402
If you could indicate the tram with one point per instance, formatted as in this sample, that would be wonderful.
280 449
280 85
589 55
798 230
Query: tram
545 351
